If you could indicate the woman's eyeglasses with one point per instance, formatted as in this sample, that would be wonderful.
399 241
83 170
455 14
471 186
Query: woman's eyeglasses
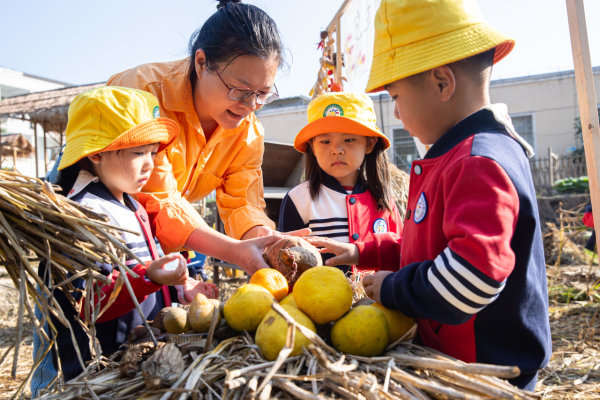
243 95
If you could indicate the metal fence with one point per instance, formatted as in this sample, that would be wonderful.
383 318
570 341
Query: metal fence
546 171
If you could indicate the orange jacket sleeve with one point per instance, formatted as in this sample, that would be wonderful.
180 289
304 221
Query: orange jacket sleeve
241 196
172 217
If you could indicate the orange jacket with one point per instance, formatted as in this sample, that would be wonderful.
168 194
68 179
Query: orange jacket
190 168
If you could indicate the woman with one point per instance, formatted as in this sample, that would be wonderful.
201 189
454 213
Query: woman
213 95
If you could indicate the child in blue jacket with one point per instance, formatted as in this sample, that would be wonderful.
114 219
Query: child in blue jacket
471 258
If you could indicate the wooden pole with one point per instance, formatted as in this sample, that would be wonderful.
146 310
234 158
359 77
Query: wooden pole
338 15
336 24
45 151
550 167
338 50
586 96
35 155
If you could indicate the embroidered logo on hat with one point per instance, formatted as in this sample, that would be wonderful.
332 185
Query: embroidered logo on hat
156 112
333 110
421 208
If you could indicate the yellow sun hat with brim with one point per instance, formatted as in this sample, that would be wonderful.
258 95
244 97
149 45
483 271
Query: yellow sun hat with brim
340 112
413 36
113 118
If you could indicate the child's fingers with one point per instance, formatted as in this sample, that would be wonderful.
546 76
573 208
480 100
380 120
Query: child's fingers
333 261
324 245
317 240
300 232
167 259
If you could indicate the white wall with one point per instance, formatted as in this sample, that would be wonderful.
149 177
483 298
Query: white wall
282 124
550 99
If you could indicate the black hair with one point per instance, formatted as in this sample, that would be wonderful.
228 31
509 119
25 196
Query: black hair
235 30
476 65
67 176
373 171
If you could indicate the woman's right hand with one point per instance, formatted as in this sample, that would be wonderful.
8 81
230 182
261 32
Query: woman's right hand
161 275
249 253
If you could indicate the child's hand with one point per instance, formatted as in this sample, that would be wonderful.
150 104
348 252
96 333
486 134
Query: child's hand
192 287
345 253
372 284
162 274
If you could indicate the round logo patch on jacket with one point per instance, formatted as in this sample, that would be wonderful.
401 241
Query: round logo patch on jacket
380 226
420 209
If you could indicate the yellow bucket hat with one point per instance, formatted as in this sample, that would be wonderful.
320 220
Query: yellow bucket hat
112 118
342 112
412 36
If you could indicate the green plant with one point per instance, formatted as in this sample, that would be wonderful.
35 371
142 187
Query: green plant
572 185
566 294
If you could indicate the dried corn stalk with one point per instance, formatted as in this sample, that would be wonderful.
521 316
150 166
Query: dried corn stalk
234 369
39 226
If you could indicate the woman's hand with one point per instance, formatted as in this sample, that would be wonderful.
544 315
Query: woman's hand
345 253
372 284
248 254
257 231
162 274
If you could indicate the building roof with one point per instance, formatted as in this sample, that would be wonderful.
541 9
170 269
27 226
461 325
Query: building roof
15 144
539 77
278 105
48 108
36 77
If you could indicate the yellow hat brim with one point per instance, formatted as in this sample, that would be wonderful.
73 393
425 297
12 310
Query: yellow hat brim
407 60
334 124
159 130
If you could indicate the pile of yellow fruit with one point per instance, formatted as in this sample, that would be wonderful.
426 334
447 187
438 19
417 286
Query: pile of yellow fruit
197 317
322 296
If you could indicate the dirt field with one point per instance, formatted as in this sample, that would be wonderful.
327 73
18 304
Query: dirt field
573 372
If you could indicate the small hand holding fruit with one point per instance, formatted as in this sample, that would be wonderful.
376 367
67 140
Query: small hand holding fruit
372 284
168 270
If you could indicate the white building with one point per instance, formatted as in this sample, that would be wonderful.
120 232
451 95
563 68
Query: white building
16 83
543 109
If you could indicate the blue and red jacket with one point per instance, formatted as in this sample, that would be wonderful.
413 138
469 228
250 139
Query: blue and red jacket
340 214
473 270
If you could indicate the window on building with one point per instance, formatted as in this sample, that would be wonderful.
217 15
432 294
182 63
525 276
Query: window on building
524 126
405 150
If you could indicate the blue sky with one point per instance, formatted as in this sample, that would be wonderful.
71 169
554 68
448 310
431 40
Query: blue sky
86 41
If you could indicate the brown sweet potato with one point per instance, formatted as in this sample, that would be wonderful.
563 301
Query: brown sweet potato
292 256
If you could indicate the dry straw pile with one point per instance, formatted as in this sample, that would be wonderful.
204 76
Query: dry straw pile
39 226
234 369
